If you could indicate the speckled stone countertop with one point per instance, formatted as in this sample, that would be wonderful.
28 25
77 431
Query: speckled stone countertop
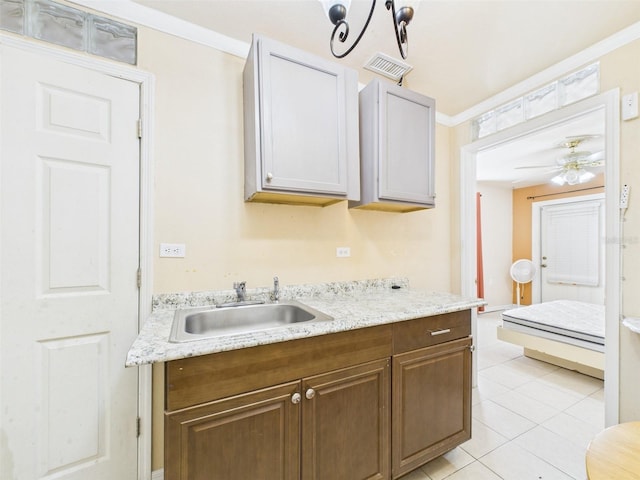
353 305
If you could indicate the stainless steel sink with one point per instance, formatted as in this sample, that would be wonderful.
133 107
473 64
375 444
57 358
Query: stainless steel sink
210 322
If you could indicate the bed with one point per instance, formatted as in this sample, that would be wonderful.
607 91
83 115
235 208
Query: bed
567 333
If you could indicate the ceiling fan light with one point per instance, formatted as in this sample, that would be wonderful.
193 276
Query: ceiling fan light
558 179
585 176
572 177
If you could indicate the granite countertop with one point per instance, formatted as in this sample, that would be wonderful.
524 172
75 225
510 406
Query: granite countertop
352 305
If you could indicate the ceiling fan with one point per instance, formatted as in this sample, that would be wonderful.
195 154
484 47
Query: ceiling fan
572 166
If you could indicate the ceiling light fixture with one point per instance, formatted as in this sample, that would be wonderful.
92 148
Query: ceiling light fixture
337 10
573 176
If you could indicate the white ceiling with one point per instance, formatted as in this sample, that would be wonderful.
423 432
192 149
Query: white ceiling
462 51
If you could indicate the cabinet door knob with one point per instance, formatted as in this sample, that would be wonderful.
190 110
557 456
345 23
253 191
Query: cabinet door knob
310 393
295 398
269 176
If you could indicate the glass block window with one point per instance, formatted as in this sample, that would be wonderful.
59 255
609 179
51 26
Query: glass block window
484 125
580 85
112 39
69 27
541 101
57 24
509 115
12 15
576 86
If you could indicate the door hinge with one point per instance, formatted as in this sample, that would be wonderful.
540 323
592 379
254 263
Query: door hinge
139 128
138 428
139 277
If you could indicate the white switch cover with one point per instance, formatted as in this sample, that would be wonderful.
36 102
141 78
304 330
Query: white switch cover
343 252
173 250
630 106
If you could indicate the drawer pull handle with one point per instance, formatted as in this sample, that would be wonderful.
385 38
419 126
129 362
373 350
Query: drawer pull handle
439 332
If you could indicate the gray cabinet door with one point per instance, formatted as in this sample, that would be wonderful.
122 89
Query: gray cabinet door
406 144
305 111
397 130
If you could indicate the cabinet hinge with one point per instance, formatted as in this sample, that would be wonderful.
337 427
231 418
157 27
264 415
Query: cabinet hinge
139 128
138 428
139 277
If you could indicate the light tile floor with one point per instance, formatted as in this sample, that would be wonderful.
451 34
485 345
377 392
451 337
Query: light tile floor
531 420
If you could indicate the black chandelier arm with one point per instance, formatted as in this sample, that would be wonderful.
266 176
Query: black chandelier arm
400 28
345 33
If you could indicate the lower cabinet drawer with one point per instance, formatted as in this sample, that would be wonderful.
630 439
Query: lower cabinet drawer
423 332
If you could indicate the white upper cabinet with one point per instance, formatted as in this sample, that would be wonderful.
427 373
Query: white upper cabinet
300 127
397 146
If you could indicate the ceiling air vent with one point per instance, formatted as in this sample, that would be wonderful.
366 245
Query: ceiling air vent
388 66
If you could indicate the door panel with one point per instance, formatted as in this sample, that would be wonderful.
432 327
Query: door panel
255 435
69 172
572 251
345 424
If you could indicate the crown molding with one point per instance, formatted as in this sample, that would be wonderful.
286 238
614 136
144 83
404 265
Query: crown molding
148 17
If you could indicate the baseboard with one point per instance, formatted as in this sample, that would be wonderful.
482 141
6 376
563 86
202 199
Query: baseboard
497 308
157 474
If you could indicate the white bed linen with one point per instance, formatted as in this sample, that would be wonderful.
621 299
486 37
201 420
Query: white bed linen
570 318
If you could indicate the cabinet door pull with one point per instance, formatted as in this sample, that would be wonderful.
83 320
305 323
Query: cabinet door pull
310 393
295 398
439 332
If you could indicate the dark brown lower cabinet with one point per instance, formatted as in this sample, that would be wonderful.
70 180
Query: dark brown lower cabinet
336 423
431 403
367 404
250 436
345 424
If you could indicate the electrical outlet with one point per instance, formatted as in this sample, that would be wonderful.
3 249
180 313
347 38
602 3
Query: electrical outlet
172 250
342 252
624 196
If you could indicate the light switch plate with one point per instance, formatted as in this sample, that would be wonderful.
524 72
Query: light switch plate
630 106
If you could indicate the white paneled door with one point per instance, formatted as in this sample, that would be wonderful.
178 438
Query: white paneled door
572 250
69 254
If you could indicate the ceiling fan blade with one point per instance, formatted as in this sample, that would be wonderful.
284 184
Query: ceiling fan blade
597 156
534 166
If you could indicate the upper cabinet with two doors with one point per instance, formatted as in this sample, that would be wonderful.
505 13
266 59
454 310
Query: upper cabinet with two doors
311 139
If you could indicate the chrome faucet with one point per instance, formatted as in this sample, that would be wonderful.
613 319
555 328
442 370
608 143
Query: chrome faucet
241 290
276 289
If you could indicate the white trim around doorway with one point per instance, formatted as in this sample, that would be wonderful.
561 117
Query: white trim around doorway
610 103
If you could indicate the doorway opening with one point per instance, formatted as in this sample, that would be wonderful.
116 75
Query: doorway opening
608 105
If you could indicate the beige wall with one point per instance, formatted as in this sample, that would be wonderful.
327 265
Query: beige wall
199 195
619 69
496 243
198 162
622 69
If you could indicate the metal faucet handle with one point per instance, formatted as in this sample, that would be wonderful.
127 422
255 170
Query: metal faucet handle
240 288
276 289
